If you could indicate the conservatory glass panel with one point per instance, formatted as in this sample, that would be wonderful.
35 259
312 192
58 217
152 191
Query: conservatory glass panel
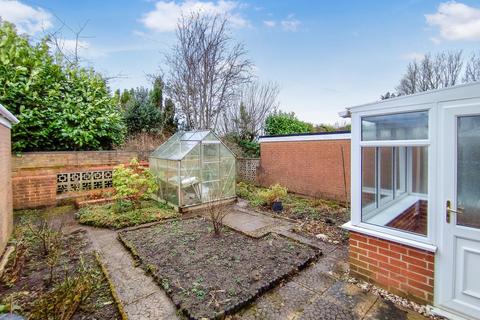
405 206
401 126
369 179
386 174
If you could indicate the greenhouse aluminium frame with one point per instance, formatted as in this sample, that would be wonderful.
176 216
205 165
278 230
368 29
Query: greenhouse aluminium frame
194 168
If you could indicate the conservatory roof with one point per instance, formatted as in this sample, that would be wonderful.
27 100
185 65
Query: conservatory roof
180 144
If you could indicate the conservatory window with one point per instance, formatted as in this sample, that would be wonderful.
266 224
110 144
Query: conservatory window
394 177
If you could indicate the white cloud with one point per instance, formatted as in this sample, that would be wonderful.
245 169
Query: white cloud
270 23
456 21
27 19
290 24
165 16
84 49
413 56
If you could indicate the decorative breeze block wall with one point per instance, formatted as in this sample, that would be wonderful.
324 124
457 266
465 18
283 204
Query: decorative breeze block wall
41 179
247 169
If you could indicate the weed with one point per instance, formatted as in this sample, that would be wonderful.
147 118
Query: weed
63 301
107 217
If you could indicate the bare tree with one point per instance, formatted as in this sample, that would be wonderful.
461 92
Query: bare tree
440 71
206 69
472 69
246 117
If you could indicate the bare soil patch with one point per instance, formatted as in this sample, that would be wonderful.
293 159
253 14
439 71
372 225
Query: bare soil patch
67 283
208 276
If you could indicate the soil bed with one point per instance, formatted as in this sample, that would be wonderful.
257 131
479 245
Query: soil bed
209 276
31 288
314 216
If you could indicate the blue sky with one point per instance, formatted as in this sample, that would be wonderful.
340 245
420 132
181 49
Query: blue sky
325 55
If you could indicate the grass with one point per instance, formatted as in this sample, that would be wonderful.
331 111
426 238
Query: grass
105 216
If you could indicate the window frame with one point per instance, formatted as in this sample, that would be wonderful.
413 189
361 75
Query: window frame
356 224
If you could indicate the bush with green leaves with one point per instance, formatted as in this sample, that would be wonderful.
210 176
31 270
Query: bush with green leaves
279 123
60 106
132 184
276 192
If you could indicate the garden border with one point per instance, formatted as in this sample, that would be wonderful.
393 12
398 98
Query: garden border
268 286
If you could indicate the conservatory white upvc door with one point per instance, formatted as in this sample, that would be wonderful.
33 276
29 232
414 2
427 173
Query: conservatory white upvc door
457 278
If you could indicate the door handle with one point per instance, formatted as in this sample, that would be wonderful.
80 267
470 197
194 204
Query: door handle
450 210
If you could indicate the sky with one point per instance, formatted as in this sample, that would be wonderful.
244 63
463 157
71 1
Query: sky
324 55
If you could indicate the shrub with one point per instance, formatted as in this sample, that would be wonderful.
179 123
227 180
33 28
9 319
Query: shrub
132 184
60 106
276 192
285 123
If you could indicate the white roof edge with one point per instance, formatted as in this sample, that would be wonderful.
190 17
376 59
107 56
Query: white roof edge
313 137
8 115
416 96
344 114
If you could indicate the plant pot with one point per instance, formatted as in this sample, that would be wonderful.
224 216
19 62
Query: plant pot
277 206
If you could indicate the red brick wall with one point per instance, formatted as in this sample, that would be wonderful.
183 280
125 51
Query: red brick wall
400 269
34 191
6 218
312 168
35 173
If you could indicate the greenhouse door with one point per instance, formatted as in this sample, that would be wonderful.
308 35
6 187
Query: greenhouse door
210 171
457 281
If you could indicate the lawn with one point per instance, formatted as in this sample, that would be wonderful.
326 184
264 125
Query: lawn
52 275
314 216
208 276
108 216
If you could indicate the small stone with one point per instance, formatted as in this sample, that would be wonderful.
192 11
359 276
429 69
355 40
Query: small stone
322 237
329 221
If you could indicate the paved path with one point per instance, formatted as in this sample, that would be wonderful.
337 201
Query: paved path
318 292
141 297
253 223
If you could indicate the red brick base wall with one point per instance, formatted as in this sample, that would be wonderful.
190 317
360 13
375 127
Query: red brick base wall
312 168
400 269
34 191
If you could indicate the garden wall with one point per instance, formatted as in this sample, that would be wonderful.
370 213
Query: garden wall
310 164
42 179
247 169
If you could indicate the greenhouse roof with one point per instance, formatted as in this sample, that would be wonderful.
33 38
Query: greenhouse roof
181 143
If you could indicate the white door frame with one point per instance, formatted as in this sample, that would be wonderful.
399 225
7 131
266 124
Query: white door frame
445 272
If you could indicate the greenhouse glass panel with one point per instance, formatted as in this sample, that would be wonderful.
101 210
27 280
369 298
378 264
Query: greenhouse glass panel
192 168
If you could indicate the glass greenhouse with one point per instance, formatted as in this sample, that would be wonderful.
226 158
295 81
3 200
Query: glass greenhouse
193 168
